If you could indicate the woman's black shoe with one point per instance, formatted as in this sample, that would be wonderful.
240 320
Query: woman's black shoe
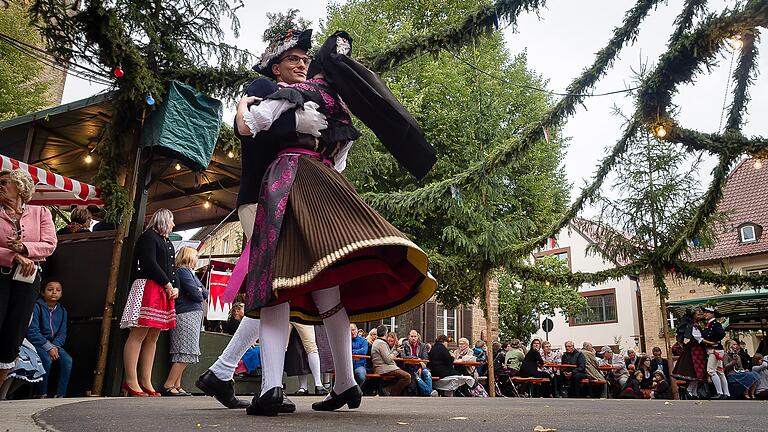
351 397
268 404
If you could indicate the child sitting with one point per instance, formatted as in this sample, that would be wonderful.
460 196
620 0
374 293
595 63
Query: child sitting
47 332
662 390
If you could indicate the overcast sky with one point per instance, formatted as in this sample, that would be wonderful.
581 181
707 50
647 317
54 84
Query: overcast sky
560 43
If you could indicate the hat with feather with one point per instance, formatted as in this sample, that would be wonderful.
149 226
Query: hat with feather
275 50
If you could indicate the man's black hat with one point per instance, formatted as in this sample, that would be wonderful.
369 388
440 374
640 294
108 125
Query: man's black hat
292 39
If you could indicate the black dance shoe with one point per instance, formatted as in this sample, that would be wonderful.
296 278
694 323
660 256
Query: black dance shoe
287 406
268 404
351 397
223 391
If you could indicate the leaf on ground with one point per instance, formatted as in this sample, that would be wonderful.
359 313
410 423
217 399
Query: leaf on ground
541 428
722 417
402 423
457 418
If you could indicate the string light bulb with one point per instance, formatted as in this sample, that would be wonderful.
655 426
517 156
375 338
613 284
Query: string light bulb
230 154
207 204
735 42
178 166
660 131
546 283
88 158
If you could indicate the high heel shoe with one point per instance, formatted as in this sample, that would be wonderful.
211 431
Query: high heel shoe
149 392
351 397
128 391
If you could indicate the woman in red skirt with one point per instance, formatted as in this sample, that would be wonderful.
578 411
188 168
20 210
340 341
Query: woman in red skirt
149 308
319 253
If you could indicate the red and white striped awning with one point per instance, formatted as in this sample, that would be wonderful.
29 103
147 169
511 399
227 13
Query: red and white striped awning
55 189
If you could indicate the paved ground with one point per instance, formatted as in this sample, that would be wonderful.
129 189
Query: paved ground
387 414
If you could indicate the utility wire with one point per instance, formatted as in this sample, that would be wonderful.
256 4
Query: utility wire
48 54
530 87
47 59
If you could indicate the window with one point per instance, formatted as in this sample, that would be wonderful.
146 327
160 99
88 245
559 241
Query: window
671 322
391 324
748 234
757 271
601 308
225 245
563 254
446 321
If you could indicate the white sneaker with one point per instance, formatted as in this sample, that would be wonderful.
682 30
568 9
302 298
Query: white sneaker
434 393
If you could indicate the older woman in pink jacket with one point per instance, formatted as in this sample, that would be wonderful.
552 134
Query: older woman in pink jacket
27 237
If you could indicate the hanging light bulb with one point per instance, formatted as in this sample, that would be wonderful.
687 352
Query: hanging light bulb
546 283
88 158
660 131
230 154
735 42
207 204
150 100
118 72
758 164
178 166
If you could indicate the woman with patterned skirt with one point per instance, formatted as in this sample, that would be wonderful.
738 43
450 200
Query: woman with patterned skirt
318 252
150 307
692 363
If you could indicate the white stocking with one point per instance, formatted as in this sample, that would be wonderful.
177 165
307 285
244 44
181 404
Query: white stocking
717 384
246 336
274 332
303 382
314 366
337 329
724 384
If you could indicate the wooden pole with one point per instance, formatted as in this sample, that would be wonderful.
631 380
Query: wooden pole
114 269
488 326
665 327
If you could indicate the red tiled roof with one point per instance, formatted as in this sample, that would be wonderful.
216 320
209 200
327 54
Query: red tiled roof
745 199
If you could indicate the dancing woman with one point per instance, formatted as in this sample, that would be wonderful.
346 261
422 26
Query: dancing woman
318 252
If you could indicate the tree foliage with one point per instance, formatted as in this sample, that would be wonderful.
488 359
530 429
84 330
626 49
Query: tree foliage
153 41
22 88
522 301
281 22
465 115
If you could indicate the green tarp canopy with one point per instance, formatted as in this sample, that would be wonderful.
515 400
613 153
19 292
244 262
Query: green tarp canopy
185 126
744 309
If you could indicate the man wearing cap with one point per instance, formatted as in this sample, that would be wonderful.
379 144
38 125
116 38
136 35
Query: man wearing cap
619 374
285 61
712 335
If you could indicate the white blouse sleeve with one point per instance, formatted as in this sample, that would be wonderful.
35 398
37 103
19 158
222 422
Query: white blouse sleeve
260 117
340 160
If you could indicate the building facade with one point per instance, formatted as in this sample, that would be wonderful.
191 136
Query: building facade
741 247
613 314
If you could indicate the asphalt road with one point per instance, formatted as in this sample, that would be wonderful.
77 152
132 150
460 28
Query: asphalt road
409 414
